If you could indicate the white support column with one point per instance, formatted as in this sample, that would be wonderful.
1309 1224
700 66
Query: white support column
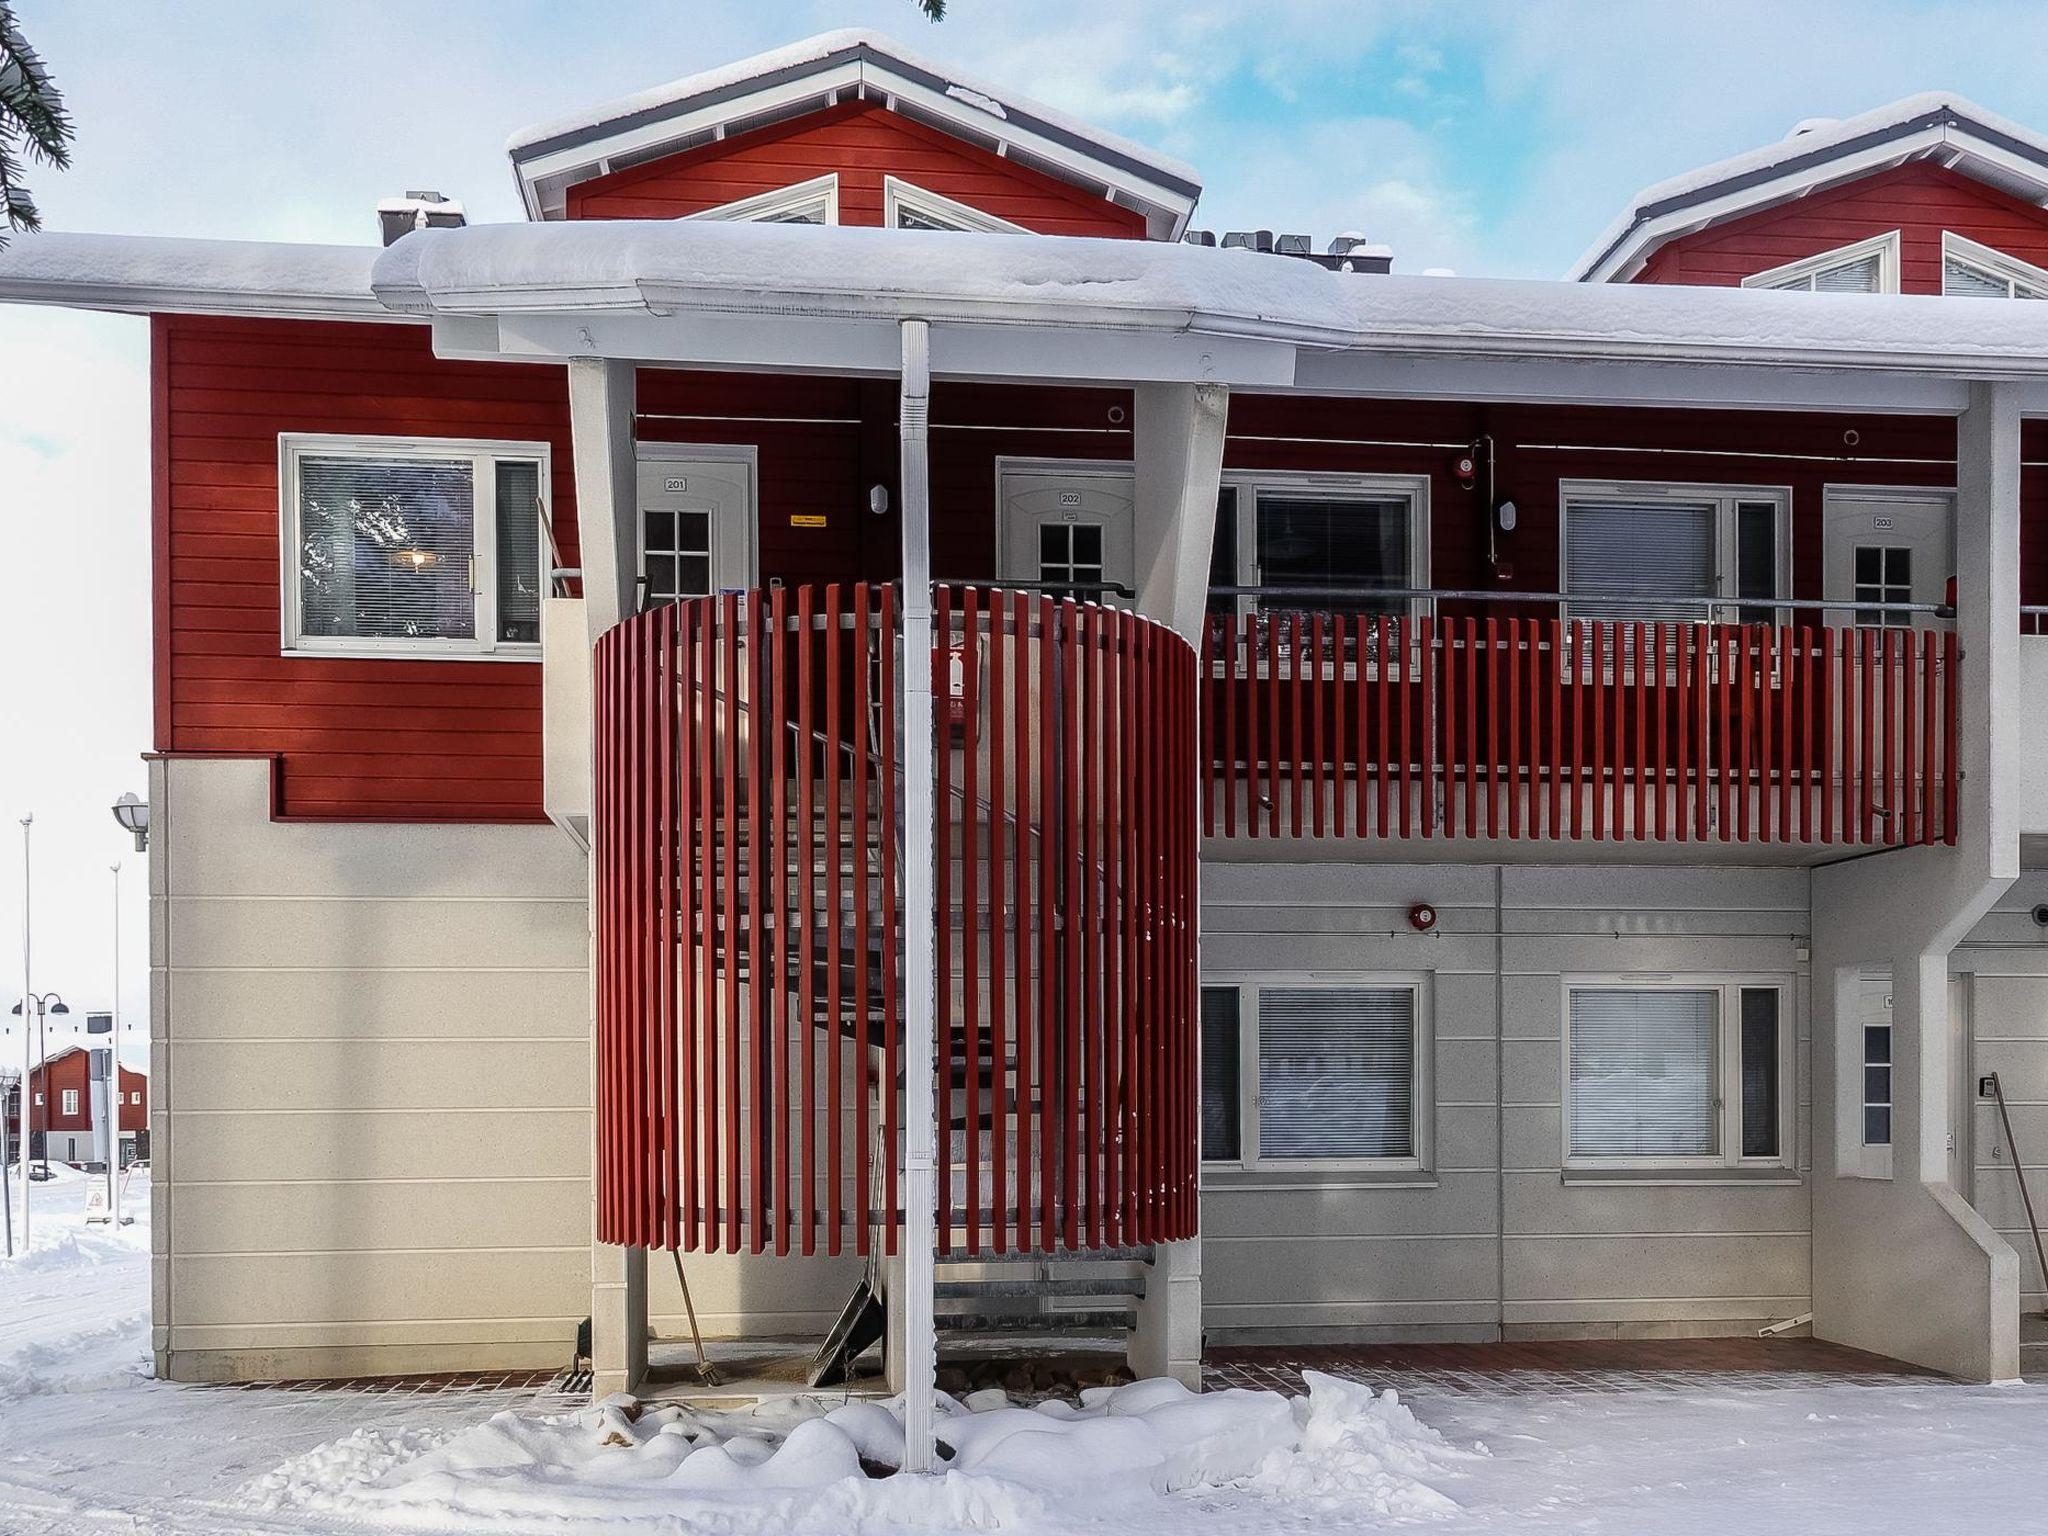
920 938
1177 433
1901 1263
601 437
1177 448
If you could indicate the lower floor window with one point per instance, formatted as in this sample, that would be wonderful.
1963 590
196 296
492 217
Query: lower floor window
1335 1072
1673 1072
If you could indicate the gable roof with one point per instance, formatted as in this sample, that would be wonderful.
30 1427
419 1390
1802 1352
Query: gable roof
1936 126
550 157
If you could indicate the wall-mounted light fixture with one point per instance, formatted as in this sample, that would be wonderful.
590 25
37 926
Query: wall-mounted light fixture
132 812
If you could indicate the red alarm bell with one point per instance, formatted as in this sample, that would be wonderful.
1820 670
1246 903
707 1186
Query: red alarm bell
1422 917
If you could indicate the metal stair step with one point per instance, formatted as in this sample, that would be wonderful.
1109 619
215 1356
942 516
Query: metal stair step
1033 1322
1132 1286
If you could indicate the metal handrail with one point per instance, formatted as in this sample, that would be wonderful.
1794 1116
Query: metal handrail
1587 599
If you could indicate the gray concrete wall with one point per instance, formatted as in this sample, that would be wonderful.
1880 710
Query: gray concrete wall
1494 1234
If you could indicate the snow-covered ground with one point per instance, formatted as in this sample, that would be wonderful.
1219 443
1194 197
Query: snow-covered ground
88 1443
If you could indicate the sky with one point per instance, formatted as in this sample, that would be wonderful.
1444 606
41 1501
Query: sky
1491 138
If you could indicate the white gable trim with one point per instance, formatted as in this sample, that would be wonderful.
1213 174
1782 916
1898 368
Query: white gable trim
776 206
1993 262
1885 247
900 196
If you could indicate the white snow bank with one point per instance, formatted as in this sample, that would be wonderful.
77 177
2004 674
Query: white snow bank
797 1465
790 270
74 1308
143 272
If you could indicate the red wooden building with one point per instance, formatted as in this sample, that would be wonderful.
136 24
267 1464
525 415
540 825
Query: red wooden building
1459 808
60 1109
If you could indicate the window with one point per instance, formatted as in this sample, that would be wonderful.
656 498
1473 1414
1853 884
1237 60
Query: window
905 206
69 1105
1869 266
1973 271
807 202
397 546
678 554
1675 1073
1302 1073
1324 536
135 1097
39 1097
1635 550
1884 574
1221 1074
1070 559
1877 1085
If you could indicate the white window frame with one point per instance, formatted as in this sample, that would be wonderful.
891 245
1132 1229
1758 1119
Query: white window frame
900 196
1728 1052
1992 263
484 454
1726 606
1333 486
776 205
1249 985
68 1104
1885 247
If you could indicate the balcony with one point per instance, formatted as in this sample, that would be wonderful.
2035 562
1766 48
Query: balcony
1395 727
747 829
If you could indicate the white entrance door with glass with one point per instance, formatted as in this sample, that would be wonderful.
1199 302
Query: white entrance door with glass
696 507
1886 546
1067 528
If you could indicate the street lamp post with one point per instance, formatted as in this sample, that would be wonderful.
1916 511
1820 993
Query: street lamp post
44 1004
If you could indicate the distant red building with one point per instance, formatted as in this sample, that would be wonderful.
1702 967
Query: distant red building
60 1109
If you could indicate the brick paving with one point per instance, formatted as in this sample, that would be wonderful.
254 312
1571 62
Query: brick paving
520 1384
1542 1368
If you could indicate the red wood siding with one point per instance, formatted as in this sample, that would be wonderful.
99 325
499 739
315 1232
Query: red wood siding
1920 201
382 739
863 142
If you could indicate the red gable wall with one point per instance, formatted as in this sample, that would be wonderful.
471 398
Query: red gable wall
68 1070
863 142
404 739
1920 201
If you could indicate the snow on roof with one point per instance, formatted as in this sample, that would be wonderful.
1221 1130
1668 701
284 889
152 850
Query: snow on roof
144 273
1817 151
813 52
794 271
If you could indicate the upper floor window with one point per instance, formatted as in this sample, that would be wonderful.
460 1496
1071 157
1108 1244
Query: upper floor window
1639 550
412 546
1973 271
70 1104
806 202
1869 266
907 206
1337 540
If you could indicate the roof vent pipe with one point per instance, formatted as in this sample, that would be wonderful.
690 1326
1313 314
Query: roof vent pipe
398 216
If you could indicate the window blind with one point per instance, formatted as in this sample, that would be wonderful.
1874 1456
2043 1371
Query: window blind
519 572
1863 275
1220 1074
385 547
1615 547
1643 1072
1336 1072
1960 280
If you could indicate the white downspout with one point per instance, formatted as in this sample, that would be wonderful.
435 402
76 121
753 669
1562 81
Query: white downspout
920 939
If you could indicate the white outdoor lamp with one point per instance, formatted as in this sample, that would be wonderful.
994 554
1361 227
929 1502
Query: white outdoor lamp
132 811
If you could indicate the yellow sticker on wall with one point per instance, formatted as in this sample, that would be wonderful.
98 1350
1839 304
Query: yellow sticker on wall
806 519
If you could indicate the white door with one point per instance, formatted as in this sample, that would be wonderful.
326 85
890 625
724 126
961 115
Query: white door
696 523
1887 547
1069 530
